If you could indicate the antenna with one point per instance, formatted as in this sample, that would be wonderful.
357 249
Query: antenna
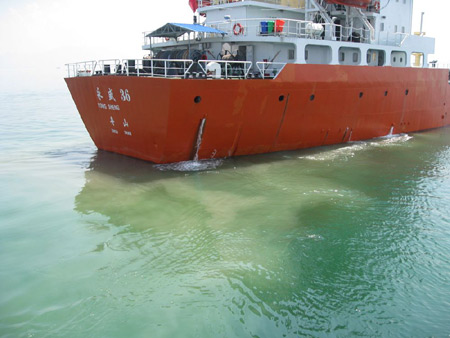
421 23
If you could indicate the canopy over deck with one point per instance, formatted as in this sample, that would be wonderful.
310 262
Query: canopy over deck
175 30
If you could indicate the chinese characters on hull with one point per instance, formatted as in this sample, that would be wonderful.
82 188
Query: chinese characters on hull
124 97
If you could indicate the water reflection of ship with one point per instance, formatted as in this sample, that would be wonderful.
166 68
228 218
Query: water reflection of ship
117 184
281 259
142 195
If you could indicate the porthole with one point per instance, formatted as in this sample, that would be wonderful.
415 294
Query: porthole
281 98
197 99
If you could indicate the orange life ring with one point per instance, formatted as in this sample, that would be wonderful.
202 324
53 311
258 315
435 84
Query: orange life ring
167 39
238 29
377 6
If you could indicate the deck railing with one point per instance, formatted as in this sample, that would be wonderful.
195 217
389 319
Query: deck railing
157 67
270 69
228 69
289 3
85 68
176 68
279 27
284 27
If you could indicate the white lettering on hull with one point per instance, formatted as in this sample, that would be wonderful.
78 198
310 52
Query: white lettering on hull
113 107
124 97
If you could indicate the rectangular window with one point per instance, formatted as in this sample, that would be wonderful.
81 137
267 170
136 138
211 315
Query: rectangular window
382 27
342 58
396 29
291 54
306 54
355 57
403 30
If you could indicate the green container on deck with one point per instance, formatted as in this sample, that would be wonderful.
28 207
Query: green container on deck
270 26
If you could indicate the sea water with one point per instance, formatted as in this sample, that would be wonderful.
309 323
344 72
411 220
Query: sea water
348 240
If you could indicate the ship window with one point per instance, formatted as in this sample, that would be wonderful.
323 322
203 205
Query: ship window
355 57
396 28
342 58
403 30
306 54
399 58
291 54
377 57
382 27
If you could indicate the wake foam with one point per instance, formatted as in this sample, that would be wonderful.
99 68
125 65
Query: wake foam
351 148
190 165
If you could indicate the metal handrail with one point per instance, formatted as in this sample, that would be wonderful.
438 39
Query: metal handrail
265 66
230 66
171 68
439 65
85 68
157 67
105 64
206 3
292 28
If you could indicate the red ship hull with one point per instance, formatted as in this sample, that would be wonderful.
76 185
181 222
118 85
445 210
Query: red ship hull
158 119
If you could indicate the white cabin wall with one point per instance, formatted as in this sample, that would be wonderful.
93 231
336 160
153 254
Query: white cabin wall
255 12
218 15
395 16
242 12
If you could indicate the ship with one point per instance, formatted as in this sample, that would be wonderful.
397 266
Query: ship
258 76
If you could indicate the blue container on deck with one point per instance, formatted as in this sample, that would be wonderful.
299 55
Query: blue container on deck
264 27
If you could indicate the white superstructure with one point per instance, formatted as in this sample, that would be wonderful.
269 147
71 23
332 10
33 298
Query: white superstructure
304 32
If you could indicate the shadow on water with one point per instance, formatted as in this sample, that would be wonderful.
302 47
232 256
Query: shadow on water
304 242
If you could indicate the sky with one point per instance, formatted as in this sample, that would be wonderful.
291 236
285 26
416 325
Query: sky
38 37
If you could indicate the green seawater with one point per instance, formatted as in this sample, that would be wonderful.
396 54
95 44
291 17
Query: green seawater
349 240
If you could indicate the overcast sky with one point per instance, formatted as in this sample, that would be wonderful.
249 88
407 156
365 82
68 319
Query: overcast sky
38 37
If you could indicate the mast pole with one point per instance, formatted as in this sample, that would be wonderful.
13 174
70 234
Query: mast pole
421 23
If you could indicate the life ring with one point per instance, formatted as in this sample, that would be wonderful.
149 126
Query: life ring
238 29
377 6
167 39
